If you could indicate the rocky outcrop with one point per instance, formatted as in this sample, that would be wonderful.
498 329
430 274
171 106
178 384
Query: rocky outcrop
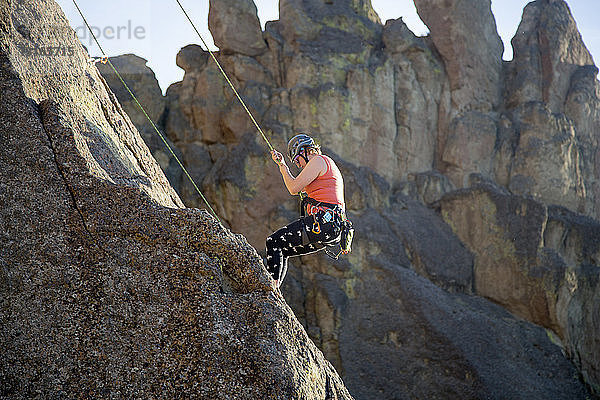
395 110
553 160
538 262
320 21
108 287
413 119
464 32
548 49
235 27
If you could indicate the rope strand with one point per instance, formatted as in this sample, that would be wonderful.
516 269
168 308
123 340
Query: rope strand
147 116
226 78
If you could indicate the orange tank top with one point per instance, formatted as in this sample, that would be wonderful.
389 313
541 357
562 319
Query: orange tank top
329 187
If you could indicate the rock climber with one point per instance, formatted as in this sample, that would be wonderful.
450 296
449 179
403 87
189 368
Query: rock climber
323 210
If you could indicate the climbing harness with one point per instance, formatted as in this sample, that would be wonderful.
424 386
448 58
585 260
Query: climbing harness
146 114
330 209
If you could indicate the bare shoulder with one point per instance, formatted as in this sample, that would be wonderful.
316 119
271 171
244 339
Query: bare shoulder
318 163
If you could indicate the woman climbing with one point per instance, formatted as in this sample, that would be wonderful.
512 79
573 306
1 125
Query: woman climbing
323 211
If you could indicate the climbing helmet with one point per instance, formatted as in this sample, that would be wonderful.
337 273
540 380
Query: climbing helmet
299 142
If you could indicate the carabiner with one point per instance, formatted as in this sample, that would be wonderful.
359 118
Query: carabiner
316 228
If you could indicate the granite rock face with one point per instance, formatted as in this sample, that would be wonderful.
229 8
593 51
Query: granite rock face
109 287
142 81
410 120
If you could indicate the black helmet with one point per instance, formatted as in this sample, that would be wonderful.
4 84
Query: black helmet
299 142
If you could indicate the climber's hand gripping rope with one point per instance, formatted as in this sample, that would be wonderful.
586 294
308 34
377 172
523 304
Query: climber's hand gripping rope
277 157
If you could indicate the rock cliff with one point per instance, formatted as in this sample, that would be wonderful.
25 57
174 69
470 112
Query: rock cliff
109 288
457 165
469 179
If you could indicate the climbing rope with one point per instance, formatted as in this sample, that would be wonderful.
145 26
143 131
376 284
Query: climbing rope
105 57
226 78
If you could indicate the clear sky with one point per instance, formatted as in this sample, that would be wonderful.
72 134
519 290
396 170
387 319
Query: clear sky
157 29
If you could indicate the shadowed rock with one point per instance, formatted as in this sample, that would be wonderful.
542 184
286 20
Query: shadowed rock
440 345
540 263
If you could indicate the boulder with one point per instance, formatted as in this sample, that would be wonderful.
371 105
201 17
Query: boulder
192 57
235 27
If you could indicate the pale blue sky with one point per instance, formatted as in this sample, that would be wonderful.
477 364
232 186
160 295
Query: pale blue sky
157 29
